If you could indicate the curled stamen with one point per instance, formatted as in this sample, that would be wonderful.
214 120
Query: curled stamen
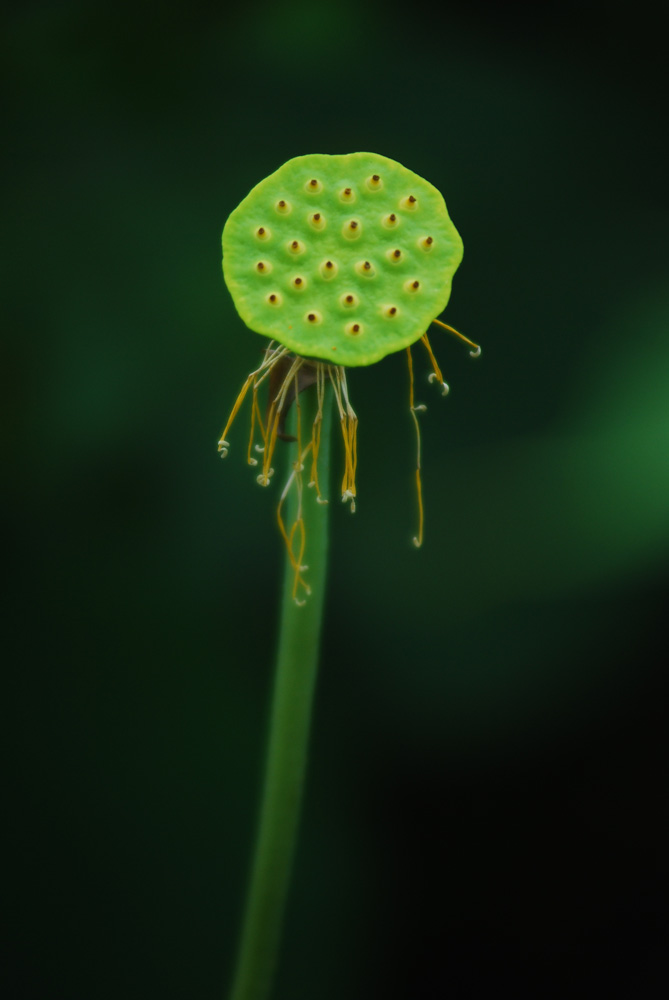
223 448
476 353
418 539
445 388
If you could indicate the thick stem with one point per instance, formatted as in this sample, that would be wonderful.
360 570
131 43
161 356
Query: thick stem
289 726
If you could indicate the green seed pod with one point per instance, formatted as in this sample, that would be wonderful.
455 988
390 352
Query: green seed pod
342 258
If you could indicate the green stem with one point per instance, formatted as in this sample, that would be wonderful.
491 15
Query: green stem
296 668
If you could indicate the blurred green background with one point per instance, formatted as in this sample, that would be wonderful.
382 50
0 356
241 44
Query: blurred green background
485 796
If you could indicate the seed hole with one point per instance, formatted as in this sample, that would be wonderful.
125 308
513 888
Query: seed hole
283 207
299 282
314 186
392 311
347 195
263 267
365 268
410 203
352 229
274 299
412 285
354 329
262 233
349 300
374 183
328 269
426 243
390 221
317 220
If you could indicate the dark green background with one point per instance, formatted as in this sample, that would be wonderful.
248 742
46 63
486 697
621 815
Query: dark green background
486 790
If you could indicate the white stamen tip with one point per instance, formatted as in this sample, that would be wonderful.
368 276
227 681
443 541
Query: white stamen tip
445 388
421 408
263 479
253 461
223 447
260 448
417 542
321 499
476 353
300 603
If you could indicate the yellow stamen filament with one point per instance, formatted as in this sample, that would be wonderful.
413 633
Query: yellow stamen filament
272 355
436 375
349 428
477 349
418 539
316 431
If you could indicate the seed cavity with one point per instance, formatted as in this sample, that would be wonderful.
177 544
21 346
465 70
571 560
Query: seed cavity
263 267
316 221
391 311
314 186
390 221
410 203
313 317
296 247
347 195
349 300
283 207
413 285
365 268
426 243
352 229
262 233
273 299
328 269
299 283
394 256
354 329
374 183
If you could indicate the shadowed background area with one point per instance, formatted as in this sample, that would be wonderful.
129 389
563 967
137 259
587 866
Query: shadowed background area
486 792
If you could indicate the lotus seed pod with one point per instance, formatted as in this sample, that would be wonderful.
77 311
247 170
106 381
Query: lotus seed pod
341 258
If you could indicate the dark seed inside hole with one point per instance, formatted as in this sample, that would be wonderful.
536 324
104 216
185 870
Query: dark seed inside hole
347 191
354 225
356 328
282 204
392 310
272 298
294 244
298 281
429 241
376 178
367 265
411 199
393 218
349 298
329 265
311 317
397 254
261 266
317 217
314 183
261 231
416 284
